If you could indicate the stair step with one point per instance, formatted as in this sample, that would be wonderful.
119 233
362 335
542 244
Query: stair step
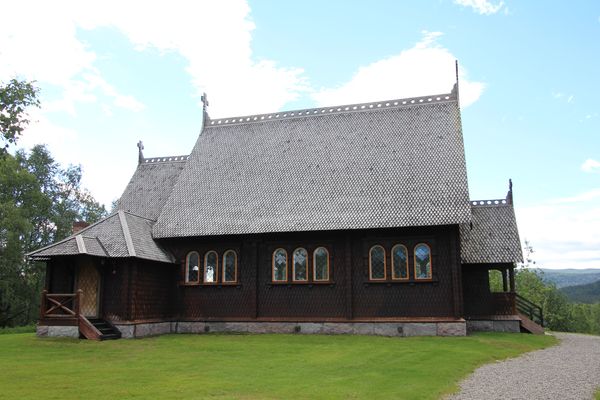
107 331
530 326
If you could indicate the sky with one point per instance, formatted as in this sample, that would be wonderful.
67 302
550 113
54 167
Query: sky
113 73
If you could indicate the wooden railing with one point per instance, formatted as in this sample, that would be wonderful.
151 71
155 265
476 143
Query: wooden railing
533 311
504 303
60 305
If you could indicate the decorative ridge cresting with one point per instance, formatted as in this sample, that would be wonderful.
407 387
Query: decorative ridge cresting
341 109
155 160
490 203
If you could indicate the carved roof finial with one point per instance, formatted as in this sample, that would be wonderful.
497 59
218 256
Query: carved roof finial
509 195
455 88
140 146
205 116
204 99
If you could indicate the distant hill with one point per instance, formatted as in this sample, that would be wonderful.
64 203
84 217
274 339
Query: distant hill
589 293
571 277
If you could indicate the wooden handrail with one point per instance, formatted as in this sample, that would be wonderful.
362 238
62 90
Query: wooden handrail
530 309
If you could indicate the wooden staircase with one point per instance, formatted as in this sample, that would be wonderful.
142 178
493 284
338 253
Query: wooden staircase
529 326
97 329
532 316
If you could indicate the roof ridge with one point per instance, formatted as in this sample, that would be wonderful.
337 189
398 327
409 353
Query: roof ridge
138 216
126 233
72 236
165 159
490 203
338 109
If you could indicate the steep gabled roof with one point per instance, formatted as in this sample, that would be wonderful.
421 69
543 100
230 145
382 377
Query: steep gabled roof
151 185
394 163
492 236
121 234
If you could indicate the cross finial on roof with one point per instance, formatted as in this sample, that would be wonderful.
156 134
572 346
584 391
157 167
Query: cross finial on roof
204 99
140 146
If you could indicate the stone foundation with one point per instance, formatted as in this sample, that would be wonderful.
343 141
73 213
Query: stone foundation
512 326
57 331
458 328
390 329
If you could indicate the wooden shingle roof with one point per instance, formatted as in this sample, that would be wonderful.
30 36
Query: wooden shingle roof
492 236
394 163
121 234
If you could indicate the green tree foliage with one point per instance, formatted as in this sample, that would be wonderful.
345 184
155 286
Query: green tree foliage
16 97
39 201
559 313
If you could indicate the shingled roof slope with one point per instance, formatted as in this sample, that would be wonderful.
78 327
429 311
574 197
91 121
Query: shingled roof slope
492 236
151 185
389 164
121 234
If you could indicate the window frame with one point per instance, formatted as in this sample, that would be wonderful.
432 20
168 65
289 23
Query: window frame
235 267
415 262
384 264
273 280
314 265
216 277
187 267
407 268
294 266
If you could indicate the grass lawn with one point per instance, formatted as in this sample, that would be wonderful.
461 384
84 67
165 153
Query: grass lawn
217 366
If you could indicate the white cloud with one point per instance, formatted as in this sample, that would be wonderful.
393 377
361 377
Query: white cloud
427 68
591 166
214 38
483 7
565 233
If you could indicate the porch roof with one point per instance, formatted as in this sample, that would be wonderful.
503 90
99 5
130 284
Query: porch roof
492 236
121 234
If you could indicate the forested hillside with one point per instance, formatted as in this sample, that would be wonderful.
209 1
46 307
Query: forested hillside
570 277
589 293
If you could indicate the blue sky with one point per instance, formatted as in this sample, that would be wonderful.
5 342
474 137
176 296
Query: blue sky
114 73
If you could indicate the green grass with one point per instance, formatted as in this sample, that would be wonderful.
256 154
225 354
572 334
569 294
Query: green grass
249 366
18 329
598 394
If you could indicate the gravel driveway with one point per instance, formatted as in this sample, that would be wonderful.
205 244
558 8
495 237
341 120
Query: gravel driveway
570 370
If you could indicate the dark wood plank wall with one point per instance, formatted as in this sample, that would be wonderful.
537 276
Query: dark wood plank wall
347 295
115 290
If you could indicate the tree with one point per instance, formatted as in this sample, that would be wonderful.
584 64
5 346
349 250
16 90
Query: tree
39 201
15 99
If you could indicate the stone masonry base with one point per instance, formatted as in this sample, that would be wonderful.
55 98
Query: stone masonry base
512 326
327 328
458 328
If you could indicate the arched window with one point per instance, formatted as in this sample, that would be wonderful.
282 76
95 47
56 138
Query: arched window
321 264
422 261
229 266
279 266
192 267
211 267
399 262
377 263
300 265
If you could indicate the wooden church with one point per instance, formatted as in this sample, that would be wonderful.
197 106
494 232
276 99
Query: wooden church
346 219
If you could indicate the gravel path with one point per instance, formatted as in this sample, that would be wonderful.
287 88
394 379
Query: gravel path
570 370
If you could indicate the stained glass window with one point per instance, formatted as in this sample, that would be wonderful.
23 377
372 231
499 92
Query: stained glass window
211 261
399 262
229 266
422 261
377 263
191 267
300 265
279 265
321 264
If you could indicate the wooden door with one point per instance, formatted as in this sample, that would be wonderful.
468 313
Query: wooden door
88 280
